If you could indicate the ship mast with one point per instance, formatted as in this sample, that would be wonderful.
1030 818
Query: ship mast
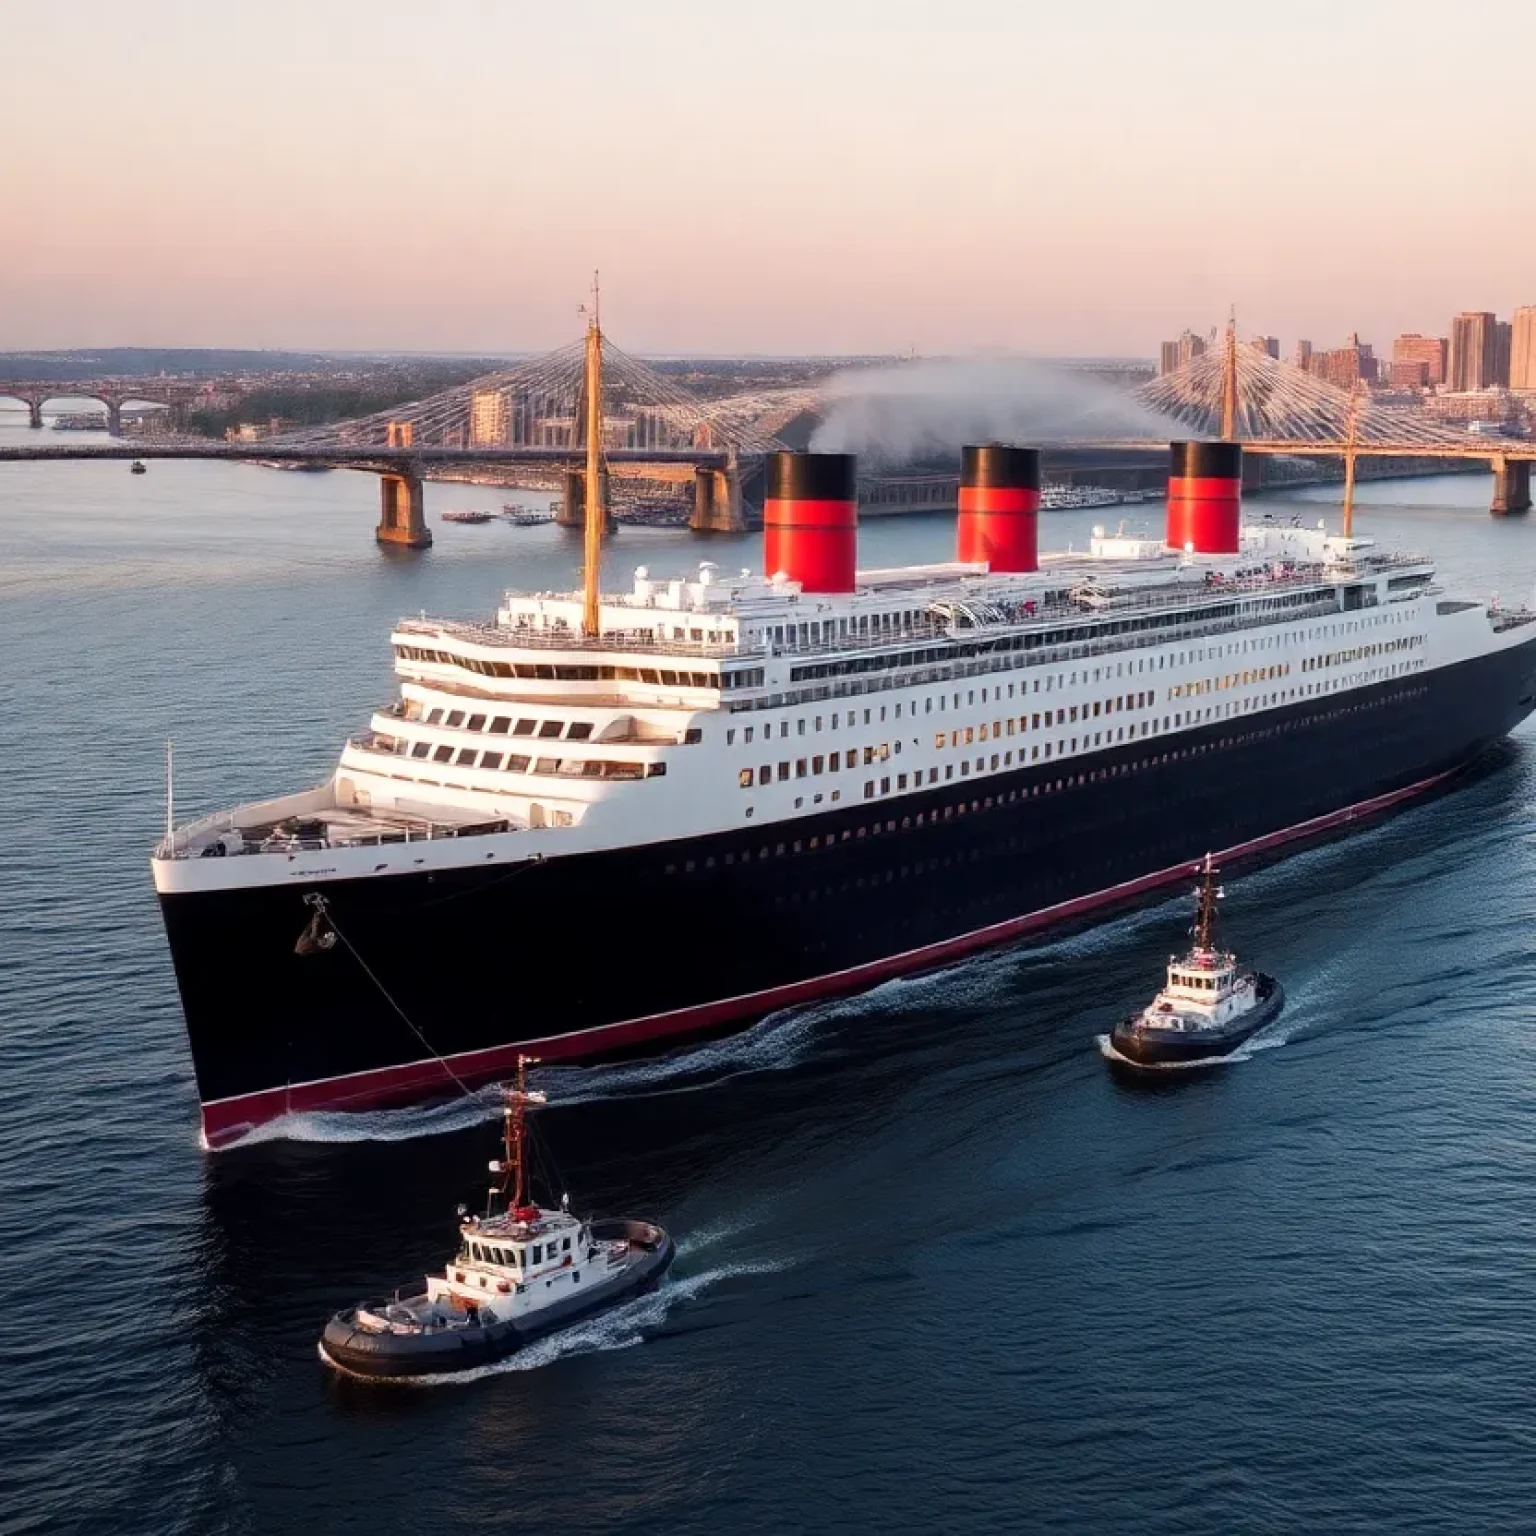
591 611
1205 923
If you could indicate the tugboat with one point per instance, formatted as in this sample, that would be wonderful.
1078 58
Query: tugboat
468 517
521 1271
1207 1008
137 468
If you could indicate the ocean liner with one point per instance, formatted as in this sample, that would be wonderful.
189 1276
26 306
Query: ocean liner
772 788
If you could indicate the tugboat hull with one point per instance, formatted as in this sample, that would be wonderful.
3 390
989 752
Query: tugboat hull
1172 1047
386 1356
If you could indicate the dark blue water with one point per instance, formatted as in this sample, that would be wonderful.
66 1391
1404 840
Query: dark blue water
939 1270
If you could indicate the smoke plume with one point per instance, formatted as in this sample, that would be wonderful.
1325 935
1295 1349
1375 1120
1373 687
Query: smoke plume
911 413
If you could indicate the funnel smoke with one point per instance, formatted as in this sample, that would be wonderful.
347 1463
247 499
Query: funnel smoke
915 412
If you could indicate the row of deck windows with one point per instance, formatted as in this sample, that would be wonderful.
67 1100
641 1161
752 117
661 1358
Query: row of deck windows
799 768
552 672
513 762
1028 792
1360 653
929 666
500 725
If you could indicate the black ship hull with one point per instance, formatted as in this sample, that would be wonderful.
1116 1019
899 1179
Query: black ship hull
1153 1047
721 930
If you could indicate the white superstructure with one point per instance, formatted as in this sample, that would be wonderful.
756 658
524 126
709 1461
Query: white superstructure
710 701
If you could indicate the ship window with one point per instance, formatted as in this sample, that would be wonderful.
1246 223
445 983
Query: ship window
421 749
491 760
500 725
466 757
744 778
566 1245
516 764
455 718
476 723
523 728
435 718
549 729
579 730
442 754
537 1250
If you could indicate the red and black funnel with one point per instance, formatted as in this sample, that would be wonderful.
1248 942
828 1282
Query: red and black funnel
1205 483
1000 507
811 519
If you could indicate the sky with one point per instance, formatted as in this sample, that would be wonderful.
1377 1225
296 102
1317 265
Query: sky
1046 177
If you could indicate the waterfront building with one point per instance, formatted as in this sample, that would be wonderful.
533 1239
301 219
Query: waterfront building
1304 355
1522 349
1191 346
1431 351
1502 346
1353 363
1169 360
1472 351
1408 375
1268 345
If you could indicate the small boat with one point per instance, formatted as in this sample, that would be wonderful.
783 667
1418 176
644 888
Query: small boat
468 517
523 517
137 468
521 1271
1207 1008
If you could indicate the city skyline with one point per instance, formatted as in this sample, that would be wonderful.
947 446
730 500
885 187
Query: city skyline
857 179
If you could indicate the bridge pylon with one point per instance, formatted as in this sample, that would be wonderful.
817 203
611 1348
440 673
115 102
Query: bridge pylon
402 516
1511 487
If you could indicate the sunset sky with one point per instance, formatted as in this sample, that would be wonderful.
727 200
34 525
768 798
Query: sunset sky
1050 178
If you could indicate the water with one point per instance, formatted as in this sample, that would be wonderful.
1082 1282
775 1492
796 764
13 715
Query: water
939 1268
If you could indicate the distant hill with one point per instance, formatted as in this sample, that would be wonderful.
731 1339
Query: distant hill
149 362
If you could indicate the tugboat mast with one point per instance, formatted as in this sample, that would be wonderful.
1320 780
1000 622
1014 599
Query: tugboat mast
1205 923
513 1167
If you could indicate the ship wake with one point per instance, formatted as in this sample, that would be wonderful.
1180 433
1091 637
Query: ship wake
776 1043
626 1326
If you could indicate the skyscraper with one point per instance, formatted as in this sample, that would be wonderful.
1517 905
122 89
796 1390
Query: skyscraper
1502 340
1428 350
1170 357
1522 348
487 419
1303 354
1472 350
1353 363
1268 345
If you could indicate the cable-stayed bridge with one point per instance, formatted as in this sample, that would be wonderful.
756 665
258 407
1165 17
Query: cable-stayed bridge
655 433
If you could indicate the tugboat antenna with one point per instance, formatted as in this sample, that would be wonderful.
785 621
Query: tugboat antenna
170 797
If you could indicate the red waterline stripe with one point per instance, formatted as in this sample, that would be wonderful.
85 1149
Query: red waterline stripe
225 1120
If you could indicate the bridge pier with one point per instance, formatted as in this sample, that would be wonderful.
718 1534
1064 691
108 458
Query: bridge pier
114 417
402 521
1511 487
35 414
572 511
717 501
